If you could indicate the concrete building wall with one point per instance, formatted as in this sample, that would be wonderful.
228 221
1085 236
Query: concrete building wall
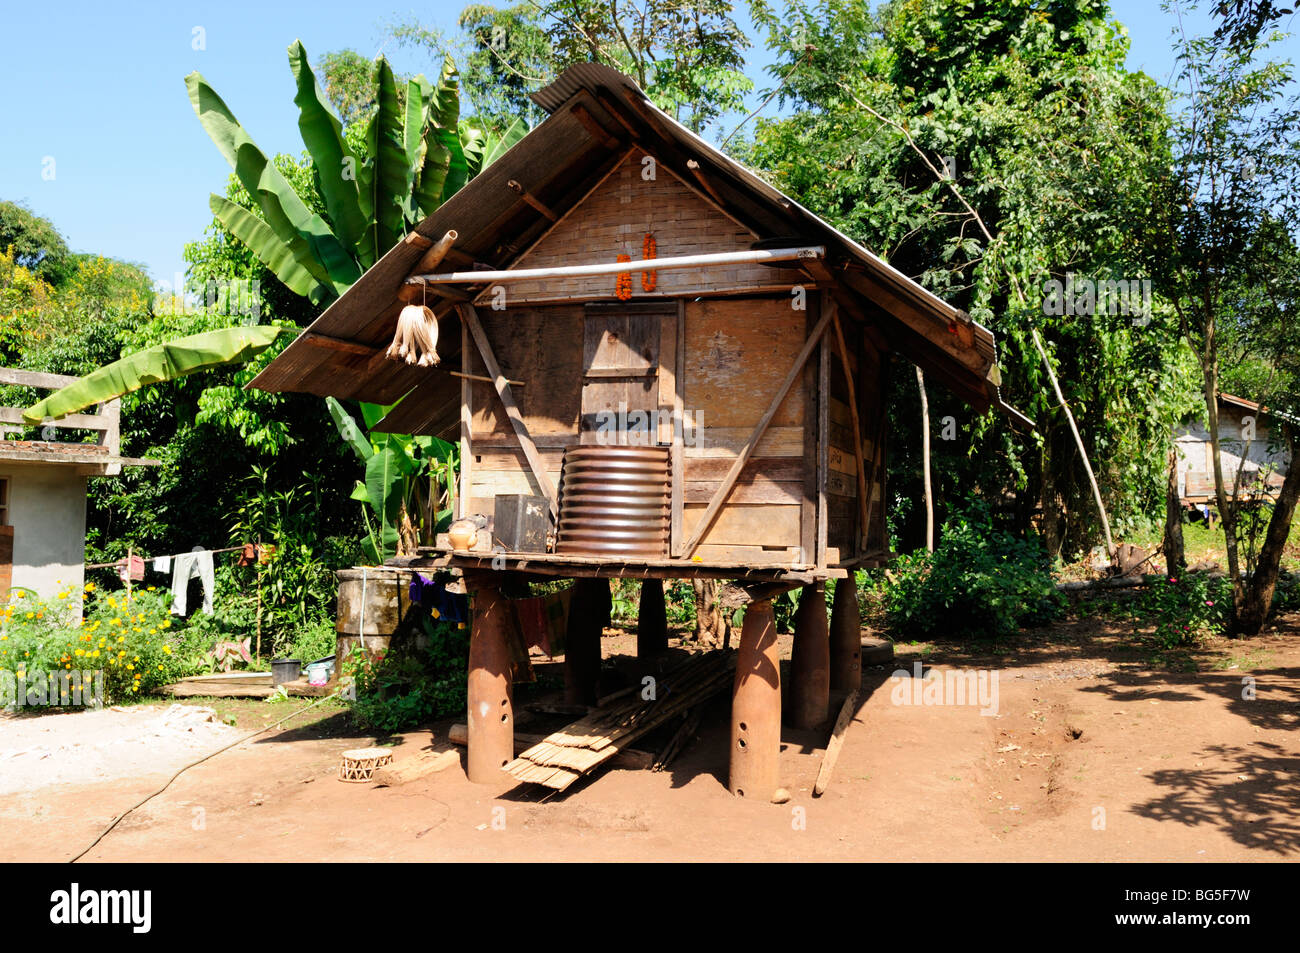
47 510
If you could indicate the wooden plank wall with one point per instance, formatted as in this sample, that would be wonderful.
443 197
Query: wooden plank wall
737 353
543 349
614 219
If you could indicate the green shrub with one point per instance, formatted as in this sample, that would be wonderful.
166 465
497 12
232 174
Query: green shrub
1185 608
410 685
981 582
132 640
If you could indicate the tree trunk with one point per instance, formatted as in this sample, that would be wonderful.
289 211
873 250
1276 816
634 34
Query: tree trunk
1175 555
1259 594
710 620
1227 510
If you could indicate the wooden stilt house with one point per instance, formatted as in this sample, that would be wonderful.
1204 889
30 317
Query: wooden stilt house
682 368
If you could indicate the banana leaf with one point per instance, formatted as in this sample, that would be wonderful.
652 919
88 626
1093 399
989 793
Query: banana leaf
441 146
270 251
385 177
162 362
335 163
348 430
306 234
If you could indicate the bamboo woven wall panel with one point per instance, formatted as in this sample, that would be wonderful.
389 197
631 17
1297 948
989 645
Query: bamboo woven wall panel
614 220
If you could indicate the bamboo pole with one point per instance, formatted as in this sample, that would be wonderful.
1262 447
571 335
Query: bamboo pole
1074 428
619 267
925 460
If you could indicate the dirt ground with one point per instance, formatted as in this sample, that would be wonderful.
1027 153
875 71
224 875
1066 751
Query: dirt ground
1091 756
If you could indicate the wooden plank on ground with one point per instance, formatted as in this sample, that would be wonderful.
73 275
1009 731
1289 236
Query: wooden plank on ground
836 743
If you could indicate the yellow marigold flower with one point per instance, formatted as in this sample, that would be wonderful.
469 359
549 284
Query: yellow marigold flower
4 638
130 667
95 654
135 688
121 638
40 615
80 652
151 588
121 655
115 621
160 668
67 666
136 659
167 649
90 587
166 624
62 595
31 615
137 629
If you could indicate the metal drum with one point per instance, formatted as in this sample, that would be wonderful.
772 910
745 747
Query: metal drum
614 501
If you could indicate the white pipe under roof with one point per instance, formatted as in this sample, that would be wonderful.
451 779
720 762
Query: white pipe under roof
622 267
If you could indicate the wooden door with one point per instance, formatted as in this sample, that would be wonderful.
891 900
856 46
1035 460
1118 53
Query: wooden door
628 375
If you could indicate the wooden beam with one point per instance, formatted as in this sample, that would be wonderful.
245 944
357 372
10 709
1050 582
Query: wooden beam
470 318
823 442
836 743
480 377
13 375
701 178
747 450
14 415
857 426
533 201
466 422
598 132
343 345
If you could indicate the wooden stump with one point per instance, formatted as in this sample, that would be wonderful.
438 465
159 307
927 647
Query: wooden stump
651 621
810 661
490 710
589 611
756 707
846 637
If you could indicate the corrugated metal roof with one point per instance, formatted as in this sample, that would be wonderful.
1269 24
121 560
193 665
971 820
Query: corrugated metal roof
495 226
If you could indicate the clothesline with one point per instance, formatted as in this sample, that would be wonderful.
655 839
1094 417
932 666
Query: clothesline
123 561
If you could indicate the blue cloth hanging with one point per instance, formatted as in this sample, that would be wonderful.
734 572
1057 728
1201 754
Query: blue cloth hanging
432 594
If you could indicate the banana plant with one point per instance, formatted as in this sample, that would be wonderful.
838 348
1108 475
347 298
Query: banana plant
417 153
407 481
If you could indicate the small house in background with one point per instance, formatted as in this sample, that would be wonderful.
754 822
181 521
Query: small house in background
657 366
1246 443
43 487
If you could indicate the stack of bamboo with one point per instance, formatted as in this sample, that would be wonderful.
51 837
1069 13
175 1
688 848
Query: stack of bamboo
579 748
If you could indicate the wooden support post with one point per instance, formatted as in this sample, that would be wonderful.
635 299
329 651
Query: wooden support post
490 709
588 615
651 621
755 769
810 661
846 637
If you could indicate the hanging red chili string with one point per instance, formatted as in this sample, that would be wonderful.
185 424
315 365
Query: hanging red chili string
649 251
623 286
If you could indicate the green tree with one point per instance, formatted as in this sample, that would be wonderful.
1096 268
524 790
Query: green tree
992 148
1231 214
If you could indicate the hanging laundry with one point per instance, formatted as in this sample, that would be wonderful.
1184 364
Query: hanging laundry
185 567
132 569
432 594
162 564
247 556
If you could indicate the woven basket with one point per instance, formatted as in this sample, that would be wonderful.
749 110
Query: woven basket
359 764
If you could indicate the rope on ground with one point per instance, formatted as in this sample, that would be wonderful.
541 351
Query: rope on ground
121 817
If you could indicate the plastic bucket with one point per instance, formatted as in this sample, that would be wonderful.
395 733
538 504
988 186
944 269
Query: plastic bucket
285 670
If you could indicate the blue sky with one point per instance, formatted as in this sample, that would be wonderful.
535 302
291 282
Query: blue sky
100 91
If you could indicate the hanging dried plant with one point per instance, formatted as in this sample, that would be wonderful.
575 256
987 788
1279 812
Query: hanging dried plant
649 251
623 286
416 338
